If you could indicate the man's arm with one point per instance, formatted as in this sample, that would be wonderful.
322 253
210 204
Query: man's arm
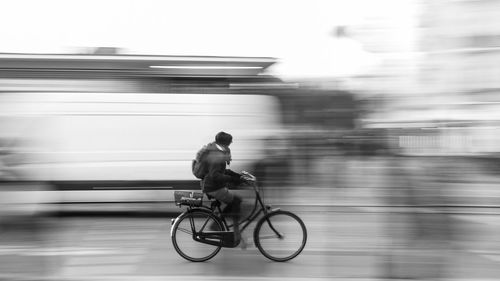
235 177
219 175
216 169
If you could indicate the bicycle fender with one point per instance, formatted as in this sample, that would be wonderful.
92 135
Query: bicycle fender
173 223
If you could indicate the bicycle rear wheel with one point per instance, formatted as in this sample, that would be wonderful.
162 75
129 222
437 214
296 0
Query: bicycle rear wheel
182 235
280 236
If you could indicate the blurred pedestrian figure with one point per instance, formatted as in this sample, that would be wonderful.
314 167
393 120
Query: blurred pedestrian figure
21 220
273 170
418 234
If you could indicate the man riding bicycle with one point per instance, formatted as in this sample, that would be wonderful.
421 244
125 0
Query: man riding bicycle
218 178
205 225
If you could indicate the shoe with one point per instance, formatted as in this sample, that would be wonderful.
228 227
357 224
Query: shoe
243 243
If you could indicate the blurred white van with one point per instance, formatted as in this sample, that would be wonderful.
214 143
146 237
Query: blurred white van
130 141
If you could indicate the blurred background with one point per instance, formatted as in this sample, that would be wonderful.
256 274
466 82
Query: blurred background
375 121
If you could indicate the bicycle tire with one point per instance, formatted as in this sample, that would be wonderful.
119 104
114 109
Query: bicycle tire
182 236
271 245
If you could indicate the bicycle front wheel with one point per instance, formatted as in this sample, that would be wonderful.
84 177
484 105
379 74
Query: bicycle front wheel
280 236
182 235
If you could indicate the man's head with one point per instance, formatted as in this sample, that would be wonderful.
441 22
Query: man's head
223 138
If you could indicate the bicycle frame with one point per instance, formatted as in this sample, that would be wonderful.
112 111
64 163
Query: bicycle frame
226 238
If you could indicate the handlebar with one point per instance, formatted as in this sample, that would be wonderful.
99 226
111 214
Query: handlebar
248 177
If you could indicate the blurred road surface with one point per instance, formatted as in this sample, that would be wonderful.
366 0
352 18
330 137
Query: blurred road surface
346 243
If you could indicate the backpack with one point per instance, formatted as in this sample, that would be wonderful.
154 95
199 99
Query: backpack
199 166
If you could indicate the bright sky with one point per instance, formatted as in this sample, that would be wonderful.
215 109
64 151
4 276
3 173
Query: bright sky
286 29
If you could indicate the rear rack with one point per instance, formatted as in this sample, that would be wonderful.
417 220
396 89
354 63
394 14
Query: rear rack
188 198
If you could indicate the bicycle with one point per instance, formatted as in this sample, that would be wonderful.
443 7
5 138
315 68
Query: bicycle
279 235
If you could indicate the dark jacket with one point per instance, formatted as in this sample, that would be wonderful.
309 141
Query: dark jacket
218 176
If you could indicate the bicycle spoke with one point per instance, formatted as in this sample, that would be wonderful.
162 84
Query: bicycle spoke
268 237
204 224
185 230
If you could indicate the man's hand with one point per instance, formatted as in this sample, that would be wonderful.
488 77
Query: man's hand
245 176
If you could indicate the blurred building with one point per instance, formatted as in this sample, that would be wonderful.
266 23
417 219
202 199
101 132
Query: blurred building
458 75
443 78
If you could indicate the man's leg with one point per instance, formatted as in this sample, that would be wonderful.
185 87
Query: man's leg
233 207
235 211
